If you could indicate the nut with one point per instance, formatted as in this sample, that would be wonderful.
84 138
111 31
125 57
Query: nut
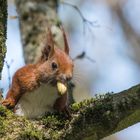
61 88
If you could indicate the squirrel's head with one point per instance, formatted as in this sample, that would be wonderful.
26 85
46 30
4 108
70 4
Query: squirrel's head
57 62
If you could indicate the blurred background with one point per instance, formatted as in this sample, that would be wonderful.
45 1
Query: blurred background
108 32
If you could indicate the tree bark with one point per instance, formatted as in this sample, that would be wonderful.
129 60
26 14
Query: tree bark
35 16
3 28
91 119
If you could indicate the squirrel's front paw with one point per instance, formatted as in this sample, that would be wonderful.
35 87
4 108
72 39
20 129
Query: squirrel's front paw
9 103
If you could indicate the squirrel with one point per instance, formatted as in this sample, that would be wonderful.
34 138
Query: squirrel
34 87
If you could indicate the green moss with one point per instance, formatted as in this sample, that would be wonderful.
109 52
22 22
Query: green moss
14 127
94 119
3 27
55 121
4 114
128 121
54 124
76 106
96 100
31 133
3 111
2 126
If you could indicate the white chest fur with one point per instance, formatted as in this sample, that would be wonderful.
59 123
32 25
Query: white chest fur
37 102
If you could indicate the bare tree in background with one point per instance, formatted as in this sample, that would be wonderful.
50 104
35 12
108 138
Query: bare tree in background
132 37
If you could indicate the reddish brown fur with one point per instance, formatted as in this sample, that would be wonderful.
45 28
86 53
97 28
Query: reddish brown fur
61 104
25 79
64 62
29 77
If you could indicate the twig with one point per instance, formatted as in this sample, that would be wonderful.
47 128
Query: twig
86 23
90 59
85 20
1 95
8 65
82 56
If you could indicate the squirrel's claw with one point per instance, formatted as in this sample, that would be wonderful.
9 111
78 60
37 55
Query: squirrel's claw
8 103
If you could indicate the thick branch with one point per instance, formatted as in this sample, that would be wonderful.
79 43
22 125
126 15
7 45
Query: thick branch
105 115
95 118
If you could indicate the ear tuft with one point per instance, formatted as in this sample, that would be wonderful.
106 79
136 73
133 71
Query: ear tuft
66 46
48 50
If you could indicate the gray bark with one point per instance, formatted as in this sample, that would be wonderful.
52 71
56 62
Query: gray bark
91 119
35 16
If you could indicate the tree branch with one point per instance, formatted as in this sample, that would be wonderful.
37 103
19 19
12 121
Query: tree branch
85 20
8 66
105 115
95 118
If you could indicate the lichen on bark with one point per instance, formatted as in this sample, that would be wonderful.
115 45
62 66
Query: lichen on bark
35 16
3 27
13 127
94 119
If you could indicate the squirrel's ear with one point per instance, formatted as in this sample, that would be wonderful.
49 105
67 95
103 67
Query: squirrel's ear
49 48
66 46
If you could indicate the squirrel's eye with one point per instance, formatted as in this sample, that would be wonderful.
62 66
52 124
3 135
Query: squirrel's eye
54 66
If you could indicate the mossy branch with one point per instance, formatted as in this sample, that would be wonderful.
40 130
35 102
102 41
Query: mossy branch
91 119
3 27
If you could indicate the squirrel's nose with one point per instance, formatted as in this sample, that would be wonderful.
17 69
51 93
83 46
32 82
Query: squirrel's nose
68 78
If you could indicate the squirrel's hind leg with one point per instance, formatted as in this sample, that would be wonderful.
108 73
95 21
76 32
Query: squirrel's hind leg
61 105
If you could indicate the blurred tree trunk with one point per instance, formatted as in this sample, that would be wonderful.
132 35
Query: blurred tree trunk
3 27
118 12
35 15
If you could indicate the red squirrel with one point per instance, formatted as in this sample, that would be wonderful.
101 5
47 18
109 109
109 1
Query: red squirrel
33 91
